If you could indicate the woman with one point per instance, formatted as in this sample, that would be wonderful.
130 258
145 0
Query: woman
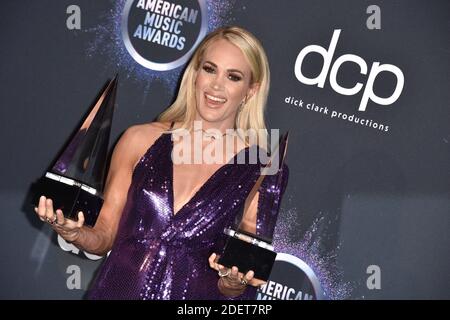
162 220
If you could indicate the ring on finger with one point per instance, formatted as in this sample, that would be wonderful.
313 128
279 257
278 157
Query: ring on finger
51 221
244 281
56 220
223 273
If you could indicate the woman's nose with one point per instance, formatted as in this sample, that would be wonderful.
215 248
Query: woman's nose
217 83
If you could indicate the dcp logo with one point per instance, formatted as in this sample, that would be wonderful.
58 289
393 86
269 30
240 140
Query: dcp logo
375 70
162 35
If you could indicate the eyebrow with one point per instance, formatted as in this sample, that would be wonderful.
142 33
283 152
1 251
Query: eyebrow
229 70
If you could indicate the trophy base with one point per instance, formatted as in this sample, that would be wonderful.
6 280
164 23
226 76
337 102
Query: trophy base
70 196
248 253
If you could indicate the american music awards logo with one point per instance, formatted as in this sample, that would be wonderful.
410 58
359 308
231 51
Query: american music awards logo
291 279
162 35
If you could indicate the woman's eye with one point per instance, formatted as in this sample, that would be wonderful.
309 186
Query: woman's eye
208 69
234 77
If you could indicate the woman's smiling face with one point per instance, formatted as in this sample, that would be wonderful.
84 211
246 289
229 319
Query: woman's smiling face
222 82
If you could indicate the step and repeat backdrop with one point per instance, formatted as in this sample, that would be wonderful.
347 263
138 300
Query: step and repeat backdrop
362 87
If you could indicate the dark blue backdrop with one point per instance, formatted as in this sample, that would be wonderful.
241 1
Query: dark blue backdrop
365 196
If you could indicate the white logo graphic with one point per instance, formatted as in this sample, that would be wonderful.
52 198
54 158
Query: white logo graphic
375 70
162 35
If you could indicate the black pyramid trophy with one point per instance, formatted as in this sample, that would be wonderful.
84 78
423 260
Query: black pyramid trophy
249 251
75 182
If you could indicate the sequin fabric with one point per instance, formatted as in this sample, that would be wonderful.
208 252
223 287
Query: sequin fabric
159 255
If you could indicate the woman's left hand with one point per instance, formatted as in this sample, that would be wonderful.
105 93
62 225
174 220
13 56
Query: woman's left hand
232 282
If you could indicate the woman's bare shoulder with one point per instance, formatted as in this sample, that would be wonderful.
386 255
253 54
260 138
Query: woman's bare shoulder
138 138
147 132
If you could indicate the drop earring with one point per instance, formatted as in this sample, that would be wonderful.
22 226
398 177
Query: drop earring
242 104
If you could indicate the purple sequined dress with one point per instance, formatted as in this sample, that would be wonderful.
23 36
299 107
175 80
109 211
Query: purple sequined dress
159 255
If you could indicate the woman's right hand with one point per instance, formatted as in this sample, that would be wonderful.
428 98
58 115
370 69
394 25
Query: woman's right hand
68 229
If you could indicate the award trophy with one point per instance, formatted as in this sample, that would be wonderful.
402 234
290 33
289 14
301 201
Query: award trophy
75 182
249 251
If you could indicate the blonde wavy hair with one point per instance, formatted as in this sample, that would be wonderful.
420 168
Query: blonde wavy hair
251 115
